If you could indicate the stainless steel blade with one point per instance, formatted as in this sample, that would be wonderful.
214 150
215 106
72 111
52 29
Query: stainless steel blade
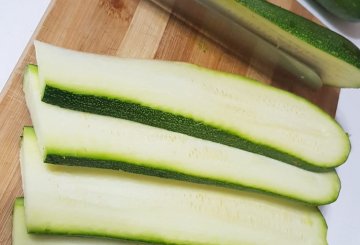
223 27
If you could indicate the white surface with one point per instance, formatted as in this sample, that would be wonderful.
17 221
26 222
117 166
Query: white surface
343 216
18 20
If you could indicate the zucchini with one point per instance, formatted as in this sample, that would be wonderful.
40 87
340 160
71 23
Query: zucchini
188 99
333 57
20 236
345 9
78 138
107 203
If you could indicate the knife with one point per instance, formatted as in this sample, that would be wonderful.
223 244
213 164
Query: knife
225 28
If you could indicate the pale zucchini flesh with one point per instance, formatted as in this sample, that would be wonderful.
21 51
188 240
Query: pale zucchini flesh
98 202
20 236
184 98
77 138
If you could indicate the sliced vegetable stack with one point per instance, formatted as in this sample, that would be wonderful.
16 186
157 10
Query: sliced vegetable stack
200 136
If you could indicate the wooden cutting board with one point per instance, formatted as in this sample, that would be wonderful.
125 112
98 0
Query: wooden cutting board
126 28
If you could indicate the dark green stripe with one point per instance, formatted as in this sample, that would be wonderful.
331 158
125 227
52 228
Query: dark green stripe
168 174
141 239
135 112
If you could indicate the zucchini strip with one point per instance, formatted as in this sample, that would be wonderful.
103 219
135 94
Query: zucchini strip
106 203
202 103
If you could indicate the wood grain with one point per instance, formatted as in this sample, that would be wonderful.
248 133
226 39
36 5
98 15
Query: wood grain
126 28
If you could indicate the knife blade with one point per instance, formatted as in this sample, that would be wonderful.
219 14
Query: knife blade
226 29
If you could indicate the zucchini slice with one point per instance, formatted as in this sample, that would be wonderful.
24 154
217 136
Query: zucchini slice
84 139
206 104
107 203
333 57
20 236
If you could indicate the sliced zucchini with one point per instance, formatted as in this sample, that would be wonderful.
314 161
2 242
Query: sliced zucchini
20 236
78 138
206 104
333 57
98 202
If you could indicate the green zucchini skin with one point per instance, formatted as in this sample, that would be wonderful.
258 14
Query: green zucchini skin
138 113
308 31
346 9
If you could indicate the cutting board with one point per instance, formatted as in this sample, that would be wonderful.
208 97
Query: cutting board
125 28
